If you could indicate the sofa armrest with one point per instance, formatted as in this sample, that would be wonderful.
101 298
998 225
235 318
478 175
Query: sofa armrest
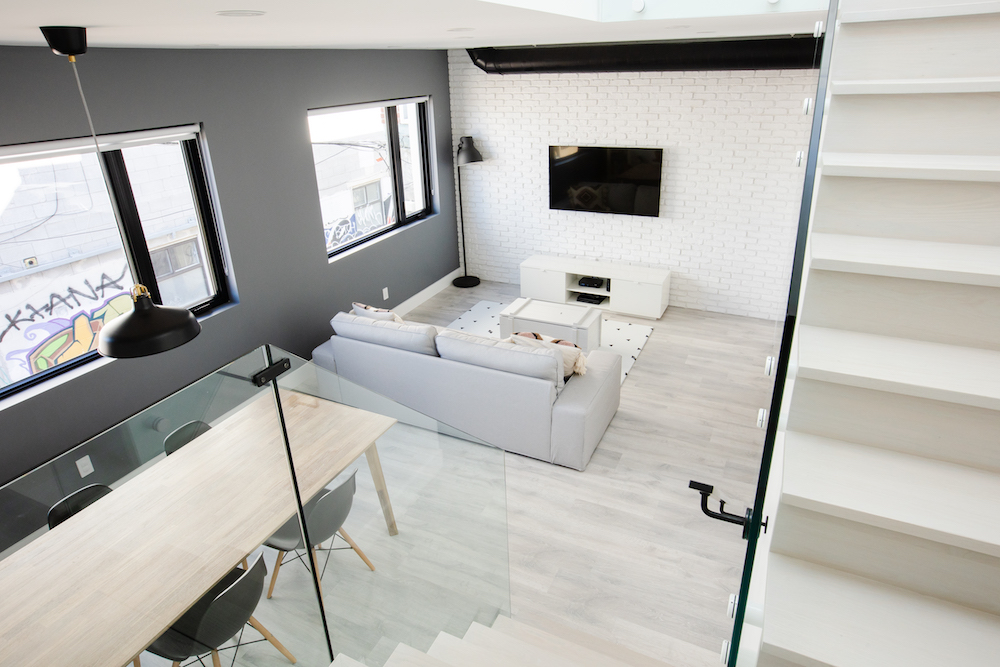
323 356
584 409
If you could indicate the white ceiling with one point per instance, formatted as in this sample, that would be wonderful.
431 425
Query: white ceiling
421 24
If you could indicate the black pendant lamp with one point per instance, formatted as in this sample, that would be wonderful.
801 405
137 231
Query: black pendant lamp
467 154
148 328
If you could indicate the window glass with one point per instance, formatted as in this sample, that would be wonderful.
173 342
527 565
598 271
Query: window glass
170 222
63 271
411 161
351 152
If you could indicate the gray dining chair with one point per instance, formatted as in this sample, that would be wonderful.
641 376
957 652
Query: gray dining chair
216 618
75 502
325 515
183 435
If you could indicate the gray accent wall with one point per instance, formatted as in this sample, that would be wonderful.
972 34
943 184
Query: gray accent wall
252 104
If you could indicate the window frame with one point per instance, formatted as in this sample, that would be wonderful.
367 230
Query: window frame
134 242
395 165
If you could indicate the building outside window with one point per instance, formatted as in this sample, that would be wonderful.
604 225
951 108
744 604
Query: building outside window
364 156
63 267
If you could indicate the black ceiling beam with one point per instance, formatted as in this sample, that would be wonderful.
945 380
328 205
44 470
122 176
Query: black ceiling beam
790 52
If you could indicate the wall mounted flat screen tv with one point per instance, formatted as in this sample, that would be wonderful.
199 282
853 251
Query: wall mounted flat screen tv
605 180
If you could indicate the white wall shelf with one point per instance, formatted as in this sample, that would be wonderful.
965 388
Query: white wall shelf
901 258
943 502
634 290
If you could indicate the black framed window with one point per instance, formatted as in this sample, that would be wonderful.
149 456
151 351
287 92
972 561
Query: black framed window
64 259
372 169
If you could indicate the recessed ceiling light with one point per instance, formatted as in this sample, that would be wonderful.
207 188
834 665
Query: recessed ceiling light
240 13
460 29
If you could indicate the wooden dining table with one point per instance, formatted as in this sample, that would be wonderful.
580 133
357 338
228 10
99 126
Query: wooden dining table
100 587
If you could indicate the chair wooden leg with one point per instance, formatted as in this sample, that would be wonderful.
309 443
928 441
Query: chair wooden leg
269 637
245 565
215 659
175 664
274 575
315 561
136 662
356 548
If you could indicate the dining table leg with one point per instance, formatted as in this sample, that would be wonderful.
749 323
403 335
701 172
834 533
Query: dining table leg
383 494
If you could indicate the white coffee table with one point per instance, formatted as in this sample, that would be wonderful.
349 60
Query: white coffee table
577 324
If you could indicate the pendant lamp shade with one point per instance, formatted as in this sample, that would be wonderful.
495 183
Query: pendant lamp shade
467 152
65 40
148 329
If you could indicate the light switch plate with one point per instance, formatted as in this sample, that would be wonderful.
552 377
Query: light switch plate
84 465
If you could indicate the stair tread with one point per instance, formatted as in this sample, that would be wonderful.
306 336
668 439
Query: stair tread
965 375
406 656
972 84
346 661
453 651
520 652
828 617
935 500
581 646
903 258
902 165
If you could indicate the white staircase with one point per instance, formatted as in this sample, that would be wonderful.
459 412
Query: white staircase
510 643
885 548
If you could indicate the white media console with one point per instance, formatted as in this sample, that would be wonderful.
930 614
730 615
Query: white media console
634 290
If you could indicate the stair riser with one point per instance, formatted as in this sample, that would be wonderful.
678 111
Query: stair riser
923 427
927 567
944 211
938 312
960 46
914 124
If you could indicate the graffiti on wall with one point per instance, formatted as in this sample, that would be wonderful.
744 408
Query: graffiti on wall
44 340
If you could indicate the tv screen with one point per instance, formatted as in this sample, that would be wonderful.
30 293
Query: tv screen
605 180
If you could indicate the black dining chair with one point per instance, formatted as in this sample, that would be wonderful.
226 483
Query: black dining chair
75 502
183 435
216 618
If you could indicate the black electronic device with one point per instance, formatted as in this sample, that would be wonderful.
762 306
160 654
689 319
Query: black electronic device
589 281
591 298
605 180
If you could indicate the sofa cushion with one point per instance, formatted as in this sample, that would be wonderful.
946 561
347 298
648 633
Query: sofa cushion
545 364
410 336
364 310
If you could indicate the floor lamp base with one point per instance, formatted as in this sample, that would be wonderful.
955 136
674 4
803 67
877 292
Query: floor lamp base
465 281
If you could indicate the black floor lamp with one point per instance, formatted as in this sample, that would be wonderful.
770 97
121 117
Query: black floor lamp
467 154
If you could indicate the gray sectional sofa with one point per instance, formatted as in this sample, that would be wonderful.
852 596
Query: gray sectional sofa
510 397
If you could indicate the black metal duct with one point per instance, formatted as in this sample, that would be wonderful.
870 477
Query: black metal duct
792 52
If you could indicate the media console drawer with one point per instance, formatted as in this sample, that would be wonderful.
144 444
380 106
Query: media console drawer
633 290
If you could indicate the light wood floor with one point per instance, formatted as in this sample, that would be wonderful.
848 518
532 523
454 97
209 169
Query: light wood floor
622 550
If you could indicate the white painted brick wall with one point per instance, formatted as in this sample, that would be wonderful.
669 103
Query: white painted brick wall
730 194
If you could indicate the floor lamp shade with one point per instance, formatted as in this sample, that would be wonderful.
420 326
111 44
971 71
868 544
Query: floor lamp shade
147 329
467 154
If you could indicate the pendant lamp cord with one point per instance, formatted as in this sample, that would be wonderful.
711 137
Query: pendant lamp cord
104 167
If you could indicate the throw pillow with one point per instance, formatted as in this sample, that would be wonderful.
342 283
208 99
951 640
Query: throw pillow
574 360
362 310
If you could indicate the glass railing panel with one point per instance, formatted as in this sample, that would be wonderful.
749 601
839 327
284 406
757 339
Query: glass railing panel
435 530
194 485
